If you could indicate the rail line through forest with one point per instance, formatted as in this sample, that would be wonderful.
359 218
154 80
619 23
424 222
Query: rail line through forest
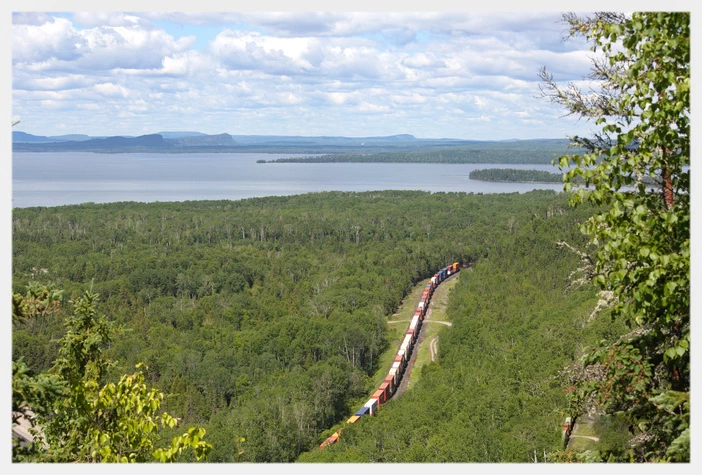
397 379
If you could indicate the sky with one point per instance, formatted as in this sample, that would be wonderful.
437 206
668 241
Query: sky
432 74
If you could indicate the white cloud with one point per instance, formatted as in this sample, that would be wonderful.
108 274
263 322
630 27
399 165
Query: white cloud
54 39
243 50
338 98
57 45
128 47
71 81
98 19
423 61
111 90
407 99
367 107
186 64
314 71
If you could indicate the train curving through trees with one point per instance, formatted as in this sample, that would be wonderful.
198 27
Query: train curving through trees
394 377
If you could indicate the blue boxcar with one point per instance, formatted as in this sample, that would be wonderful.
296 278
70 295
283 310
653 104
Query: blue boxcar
363 411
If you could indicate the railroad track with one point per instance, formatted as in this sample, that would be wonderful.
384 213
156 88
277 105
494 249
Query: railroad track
397 380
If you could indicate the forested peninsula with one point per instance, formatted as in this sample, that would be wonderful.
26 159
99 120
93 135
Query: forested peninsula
523 151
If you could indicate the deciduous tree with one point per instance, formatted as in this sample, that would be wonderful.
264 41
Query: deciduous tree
76 415
641 234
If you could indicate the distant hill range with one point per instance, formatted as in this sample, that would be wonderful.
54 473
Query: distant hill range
541 150
167 142
22 137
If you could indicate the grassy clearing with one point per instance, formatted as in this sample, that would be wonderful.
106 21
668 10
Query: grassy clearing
397 331
580 444
584 426
439 303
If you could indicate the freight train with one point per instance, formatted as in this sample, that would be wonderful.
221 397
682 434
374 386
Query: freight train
394 377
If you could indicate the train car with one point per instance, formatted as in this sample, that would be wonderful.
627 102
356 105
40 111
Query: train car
399 364
353 419
414 323
390 381
455 267
385 387
395 374
380 395
407 343
402 354
330 440
372 405
364 411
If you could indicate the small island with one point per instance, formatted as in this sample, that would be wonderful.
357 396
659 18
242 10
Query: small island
514 175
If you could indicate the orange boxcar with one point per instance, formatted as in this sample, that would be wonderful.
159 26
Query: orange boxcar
386 388
390 380
330 440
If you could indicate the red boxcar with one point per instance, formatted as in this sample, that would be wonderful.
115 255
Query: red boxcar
390 381
385 387
380 396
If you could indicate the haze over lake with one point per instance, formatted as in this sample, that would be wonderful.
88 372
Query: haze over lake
55 179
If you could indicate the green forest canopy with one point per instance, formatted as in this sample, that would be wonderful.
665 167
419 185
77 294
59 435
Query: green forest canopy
265 318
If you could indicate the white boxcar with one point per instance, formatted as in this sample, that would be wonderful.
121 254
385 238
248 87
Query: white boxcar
406 343
373 405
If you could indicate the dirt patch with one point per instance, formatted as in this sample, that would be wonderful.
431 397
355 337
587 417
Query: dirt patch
434 347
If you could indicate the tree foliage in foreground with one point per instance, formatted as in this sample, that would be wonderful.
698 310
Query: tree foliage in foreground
641 235
74 415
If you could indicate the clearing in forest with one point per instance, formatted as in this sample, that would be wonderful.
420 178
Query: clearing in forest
434 321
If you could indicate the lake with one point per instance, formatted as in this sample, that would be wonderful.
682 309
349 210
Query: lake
54 179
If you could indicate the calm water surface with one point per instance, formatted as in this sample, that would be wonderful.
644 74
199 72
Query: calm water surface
53 179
